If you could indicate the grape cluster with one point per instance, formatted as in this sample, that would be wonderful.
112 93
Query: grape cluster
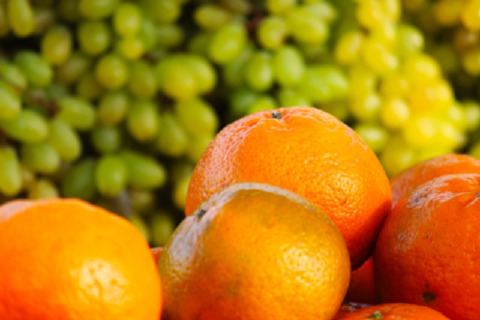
114 101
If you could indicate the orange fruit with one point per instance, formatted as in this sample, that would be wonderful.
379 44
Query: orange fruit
391 311
451 163
67 259
427 249
254 251
362 287
309 152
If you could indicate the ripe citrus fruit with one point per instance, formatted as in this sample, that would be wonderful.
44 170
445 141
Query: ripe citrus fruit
427 249
254 251
362 287
309 152
392 311
67 259
451 163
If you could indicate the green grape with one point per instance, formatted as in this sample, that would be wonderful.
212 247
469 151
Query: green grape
143 120
199 43
362 79
111 71
464 39
471 61
288 66
20 17
436 96
232 72
339 109
180 190
394 85
397 156
127 19
130 48
162 226
474 150
142 200
448 136
141 226
472 115
375 136
272 32
305 27
12 75
64 140
40 157
409 40
176 79
420 69
470 15
110 175
28 177
97 9
420 131
4 24
55 91
142 82
27 127
314 87
447 58
335 79
79 181
240 99
227 43
322 10
197 146
10 175
144 172
88 87
171 138
113 107
237 6
457 116
169 36
94 37
71 70
348 47
43 189
258 73
280 6
366 107
203 71
43 19
263 102
394 113
164 11
370 14
211 16
67 10
147 33
10 102
56 45
290 97
106 139
76 112
196 116
378 57
34 67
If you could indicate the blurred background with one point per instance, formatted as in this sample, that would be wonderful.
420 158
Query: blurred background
114 101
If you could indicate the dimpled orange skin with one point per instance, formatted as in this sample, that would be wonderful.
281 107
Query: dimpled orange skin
427 251
254 251
391 311
309 152
451 163
67 259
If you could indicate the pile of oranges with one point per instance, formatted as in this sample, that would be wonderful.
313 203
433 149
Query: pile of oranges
289 215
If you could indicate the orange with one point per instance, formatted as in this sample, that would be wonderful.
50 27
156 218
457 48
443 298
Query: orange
309 152
428 248
254 251
392 311
362 287
451 163
67 259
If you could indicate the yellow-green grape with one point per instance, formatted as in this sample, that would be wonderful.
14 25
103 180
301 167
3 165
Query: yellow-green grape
280 6
227 43
339 109
142 200
421 131
448 136
95 9
334 78
362 79
79 181
414 5
20 17
272 32
76 112
27 127
240 99
37 71
261 103
10 175
169 36
474 150
67 10
323 10
211 16
56 45
144 172
143 120
147 33
113 107
471 15
471 110
471 61
258 73
437 96
180 190
464 39
299 21
40 157
457 116
448 12
88 86
378 57
130 48
348 47
176 79
432 152
106 139
366 107
203 71
447 57
409 40
142 82
12 75
370 14
394 113
28 176
94 36
111 71
4 24
110 175
374 135
392 8
397 156
72 69
172 140
196 116
43 189
164 11
197 146
141 226
127 19
199 43
420 69
394 85
64 140
162 226
288 66
10 101
233 72
291 97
